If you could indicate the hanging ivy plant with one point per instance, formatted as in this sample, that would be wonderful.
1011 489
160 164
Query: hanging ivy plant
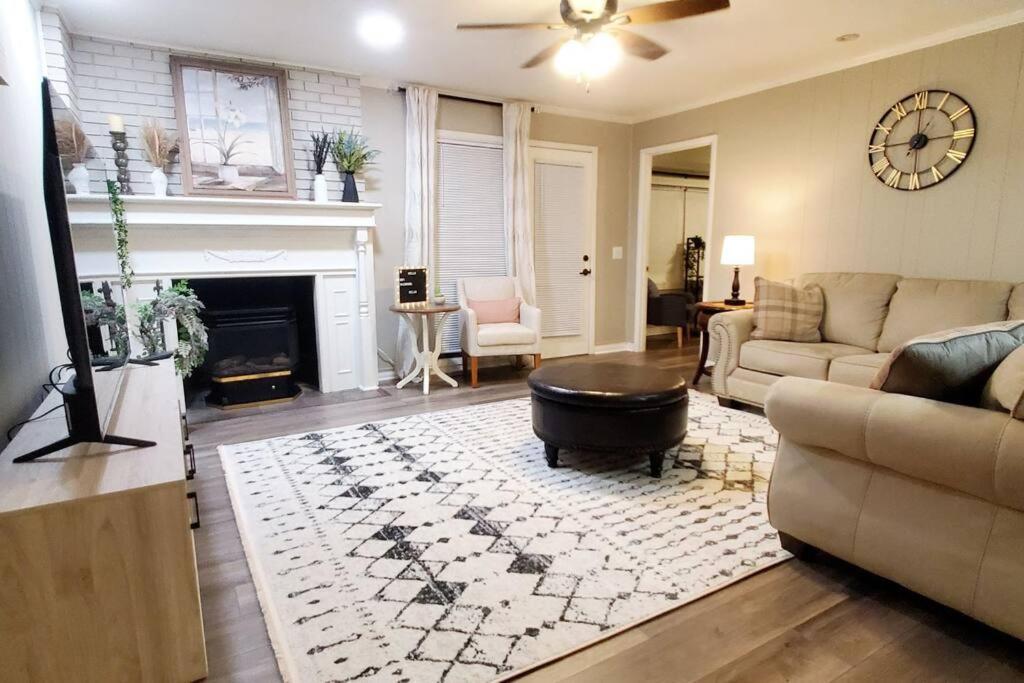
120 235
181 304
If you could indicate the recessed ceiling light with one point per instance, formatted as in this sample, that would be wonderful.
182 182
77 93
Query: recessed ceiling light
381 31
847 37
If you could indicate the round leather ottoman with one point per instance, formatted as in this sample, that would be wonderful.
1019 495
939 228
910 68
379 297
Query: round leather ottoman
608 407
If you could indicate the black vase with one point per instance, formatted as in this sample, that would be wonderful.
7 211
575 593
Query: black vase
350 193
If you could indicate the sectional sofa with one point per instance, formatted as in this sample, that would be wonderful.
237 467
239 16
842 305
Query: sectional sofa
925 493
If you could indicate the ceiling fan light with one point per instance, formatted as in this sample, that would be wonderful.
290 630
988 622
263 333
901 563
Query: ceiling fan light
603 52
571 58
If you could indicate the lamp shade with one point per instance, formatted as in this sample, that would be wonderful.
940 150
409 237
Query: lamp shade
738 250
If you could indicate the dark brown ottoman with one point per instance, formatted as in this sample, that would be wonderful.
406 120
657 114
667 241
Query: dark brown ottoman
608 407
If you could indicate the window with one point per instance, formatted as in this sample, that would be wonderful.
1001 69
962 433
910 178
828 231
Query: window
470 230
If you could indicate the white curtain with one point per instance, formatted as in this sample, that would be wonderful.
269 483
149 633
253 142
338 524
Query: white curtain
420 172
518 224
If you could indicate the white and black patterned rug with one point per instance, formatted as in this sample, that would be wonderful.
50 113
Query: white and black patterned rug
441 547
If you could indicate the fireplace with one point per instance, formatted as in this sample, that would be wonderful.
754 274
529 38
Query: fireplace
262 335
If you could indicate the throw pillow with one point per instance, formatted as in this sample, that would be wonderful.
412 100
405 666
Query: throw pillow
951 366
496 311
787 313
1005 389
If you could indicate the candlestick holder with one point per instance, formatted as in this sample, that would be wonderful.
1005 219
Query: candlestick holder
119 141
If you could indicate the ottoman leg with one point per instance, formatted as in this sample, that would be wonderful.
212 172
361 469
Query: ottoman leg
551 453
656 462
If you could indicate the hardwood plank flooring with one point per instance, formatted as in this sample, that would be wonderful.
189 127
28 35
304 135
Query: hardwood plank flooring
819 620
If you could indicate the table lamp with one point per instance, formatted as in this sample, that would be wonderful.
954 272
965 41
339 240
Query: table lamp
737 250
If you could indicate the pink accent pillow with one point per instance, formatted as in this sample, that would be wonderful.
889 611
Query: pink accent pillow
497 311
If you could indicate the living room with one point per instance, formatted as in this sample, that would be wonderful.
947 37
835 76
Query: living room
475 341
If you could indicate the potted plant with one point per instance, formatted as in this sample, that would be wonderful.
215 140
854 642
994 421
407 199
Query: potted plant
179 303
351 153
160 147
73 145
438 296
321 150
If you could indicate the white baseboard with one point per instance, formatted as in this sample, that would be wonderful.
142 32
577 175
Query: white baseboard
614 348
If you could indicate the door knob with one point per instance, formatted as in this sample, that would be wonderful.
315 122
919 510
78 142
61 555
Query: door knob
585 271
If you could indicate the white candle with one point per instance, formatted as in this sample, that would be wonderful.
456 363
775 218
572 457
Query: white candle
116 123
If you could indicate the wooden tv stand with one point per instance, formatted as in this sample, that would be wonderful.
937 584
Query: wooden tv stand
98 576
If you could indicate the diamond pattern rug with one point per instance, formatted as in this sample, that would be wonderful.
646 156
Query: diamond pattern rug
441 547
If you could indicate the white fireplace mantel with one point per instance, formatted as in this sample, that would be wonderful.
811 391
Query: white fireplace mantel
211 237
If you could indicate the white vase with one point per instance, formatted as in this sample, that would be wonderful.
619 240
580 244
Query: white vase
228 173
159 180
79 178
319 188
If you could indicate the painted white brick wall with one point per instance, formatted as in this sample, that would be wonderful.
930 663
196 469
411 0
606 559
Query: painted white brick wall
104 77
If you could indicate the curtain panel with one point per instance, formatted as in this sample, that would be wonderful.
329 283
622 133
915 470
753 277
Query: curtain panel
518 224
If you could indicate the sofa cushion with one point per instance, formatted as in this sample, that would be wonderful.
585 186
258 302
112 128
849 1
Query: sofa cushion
799 359
858 371
922 306
785 312
502 334
951 366
1016 305
1005 388
855 305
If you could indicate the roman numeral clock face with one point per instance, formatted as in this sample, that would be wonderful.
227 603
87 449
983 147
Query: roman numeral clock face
922 140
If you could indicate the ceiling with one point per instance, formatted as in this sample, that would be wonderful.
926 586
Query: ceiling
688 161
751 46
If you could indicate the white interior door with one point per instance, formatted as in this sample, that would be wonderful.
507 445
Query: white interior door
564 184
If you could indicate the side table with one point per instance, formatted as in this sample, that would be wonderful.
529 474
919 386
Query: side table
426 359
705 311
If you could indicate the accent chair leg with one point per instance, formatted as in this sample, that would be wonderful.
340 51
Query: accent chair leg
536 361
551 454
795 546
474 366
679 337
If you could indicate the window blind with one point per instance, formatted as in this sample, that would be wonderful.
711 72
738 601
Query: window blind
470 229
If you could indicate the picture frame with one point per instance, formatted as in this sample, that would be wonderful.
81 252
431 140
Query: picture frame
412 287
234 130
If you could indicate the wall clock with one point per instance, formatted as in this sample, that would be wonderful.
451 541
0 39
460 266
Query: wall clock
922 140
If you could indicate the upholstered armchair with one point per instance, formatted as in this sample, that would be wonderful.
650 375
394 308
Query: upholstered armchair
673 308
495 338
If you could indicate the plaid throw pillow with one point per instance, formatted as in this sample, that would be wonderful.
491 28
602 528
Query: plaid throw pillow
786 313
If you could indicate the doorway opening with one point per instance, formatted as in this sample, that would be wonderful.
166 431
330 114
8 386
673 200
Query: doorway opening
674 221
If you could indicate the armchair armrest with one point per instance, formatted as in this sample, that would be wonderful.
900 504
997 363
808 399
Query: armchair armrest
468 328
529 316
973 450
727 332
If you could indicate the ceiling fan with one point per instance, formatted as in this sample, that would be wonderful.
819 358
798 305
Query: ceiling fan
597 38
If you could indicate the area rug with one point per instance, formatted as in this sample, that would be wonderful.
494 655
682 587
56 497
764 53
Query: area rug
441 547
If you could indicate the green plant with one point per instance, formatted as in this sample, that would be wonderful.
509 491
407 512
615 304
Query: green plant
99 312
180 303
352 151
120 235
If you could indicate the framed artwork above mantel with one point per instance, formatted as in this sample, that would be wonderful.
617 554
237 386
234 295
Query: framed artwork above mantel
234 129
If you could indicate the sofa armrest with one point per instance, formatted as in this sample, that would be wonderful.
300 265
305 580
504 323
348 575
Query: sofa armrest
727 332
973 450
529 316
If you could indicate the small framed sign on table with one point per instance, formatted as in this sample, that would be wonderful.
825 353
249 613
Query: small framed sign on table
412 289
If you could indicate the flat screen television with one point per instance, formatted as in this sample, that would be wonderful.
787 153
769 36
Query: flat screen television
93 313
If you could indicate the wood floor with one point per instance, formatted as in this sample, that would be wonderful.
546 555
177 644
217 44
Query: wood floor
799 621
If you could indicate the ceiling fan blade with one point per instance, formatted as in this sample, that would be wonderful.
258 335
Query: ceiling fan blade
638 46
544 55
490 27
674 9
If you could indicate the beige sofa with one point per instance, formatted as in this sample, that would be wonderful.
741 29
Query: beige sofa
867 315
928 494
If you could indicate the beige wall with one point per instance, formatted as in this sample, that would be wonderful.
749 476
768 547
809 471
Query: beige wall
614 180
792 169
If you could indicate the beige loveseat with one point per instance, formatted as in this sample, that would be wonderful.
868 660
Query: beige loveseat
867 315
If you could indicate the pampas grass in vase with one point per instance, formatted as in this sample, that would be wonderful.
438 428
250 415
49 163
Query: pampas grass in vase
160 147
74 146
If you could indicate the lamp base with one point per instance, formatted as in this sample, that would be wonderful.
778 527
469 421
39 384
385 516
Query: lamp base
735 302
